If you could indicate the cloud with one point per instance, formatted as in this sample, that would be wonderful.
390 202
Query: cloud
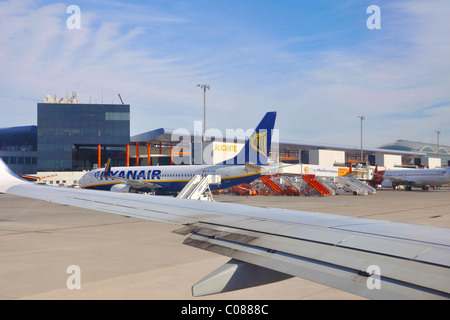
155 54
379 77
40 55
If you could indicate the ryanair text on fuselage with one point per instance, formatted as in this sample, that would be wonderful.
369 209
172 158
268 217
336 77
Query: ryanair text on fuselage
130 175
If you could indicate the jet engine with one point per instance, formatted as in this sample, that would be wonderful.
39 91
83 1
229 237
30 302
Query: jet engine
387 184
121 187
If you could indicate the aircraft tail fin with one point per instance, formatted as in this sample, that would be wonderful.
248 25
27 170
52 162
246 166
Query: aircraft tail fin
108 168
257 147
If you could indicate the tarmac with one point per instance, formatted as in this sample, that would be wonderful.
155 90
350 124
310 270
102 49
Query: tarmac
122 258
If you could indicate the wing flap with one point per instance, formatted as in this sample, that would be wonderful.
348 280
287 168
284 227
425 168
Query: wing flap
235 275
385 238
342 267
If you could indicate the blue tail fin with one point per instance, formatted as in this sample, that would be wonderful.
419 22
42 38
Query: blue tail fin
257 148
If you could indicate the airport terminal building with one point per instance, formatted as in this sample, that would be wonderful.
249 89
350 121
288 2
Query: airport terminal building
431 150
72 136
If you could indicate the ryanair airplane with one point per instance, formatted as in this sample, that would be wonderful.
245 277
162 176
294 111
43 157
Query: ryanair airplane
248 165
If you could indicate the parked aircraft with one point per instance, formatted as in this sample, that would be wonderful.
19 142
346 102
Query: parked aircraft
415 178
245 167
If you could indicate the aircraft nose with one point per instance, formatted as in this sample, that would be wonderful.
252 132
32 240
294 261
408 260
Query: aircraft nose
83 181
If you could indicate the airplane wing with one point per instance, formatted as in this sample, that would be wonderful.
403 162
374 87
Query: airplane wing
371 258
136 184
412 182
140 184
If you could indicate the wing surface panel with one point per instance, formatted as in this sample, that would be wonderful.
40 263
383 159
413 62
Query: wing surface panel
333 250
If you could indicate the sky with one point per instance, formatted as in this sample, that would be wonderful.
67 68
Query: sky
314 62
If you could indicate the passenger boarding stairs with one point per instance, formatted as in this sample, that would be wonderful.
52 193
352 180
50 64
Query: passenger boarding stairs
271 184
294 184
312 182
355 186
329 186
198 187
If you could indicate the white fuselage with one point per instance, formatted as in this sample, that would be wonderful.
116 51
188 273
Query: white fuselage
170 178
417 177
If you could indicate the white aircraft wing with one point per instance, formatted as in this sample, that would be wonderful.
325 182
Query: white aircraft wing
140 184
371 258
136 184
405 181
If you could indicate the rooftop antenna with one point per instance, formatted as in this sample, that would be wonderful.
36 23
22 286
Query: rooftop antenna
120 98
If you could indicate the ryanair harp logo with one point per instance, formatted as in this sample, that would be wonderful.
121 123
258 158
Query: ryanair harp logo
259 142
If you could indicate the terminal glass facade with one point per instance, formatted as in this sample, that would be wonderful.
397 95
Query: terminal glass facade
18 148
69 135
429 148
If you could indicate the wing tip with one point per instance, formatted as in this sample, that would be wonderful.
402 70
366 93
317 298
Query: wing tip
8 178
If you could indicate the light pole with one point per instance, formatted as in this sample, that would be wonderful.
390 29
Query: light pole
437 150
204 87
362 118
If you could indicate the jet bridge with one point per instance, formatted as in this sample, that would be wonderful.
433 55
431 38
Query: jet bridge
198 187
